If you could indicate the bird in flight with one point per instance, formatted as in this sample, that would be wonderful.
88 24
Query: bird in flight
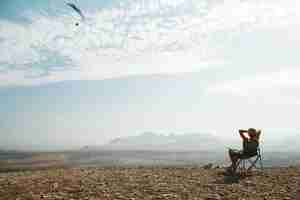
72 5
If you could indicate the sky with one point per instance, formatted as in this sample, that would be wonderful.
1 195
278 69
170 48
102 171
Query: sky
146 65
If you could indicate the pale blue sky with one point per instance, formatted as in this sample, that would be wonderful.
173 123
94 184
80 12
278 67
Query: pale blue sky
136 65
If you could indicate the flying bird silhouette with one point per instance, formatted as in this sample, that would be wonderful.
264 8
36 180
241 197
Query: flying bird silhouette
77 10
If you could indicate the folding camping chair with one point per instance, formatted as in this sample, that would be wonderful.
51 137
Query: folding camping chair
245 164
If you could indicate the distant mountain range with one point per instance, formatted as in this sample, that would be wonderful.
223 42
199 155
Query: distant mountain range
193 142
161 142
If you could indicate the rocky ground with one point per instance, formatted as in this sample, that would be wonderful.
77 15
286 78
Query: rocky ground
149 183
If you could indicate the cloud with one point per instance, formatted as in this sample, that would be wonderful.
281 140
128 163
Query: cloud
272 88
135 37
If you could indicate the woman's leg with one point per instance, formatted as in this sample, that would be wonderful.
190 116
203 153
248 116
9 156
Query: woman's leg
234 156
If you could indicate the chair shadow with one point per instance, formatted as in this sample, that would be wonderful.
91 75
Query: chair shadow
229 178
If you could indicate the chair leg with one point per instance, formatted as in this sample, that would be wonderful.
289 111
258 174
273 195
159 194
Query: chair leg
252 163
261 163
244 171
236 167
240 167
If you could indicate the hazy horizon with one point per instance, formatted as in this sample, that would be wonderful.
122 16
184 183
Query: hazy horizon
133 66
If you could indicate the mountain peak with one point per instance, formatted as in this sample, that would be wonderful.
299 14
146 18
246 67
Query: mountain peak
172 141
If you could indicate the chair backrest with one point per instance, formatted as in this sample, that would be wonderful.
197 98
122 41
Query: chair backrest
247 155
250 147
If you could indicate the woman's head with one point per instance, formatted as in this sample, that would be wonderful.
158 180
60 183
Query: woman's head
252 133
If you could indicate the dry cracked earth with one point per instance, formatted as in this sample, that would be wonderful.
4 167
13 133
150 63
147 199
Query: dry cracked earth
149 183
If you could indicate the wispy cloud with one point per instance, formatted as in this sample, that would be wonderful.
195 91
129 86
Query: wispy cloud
271 88
136 37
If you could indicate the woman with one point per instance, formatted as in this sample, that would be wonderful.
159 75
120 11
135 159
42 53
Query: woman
250 145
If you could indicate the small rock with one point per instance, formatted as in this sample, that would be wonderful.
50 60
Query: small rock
213 197
169 195
208 166
250 183
55 186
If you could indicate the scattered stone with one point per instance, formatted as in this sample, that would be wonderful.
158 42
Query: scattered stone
148 183
250 183
55 186
208 166
212 197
